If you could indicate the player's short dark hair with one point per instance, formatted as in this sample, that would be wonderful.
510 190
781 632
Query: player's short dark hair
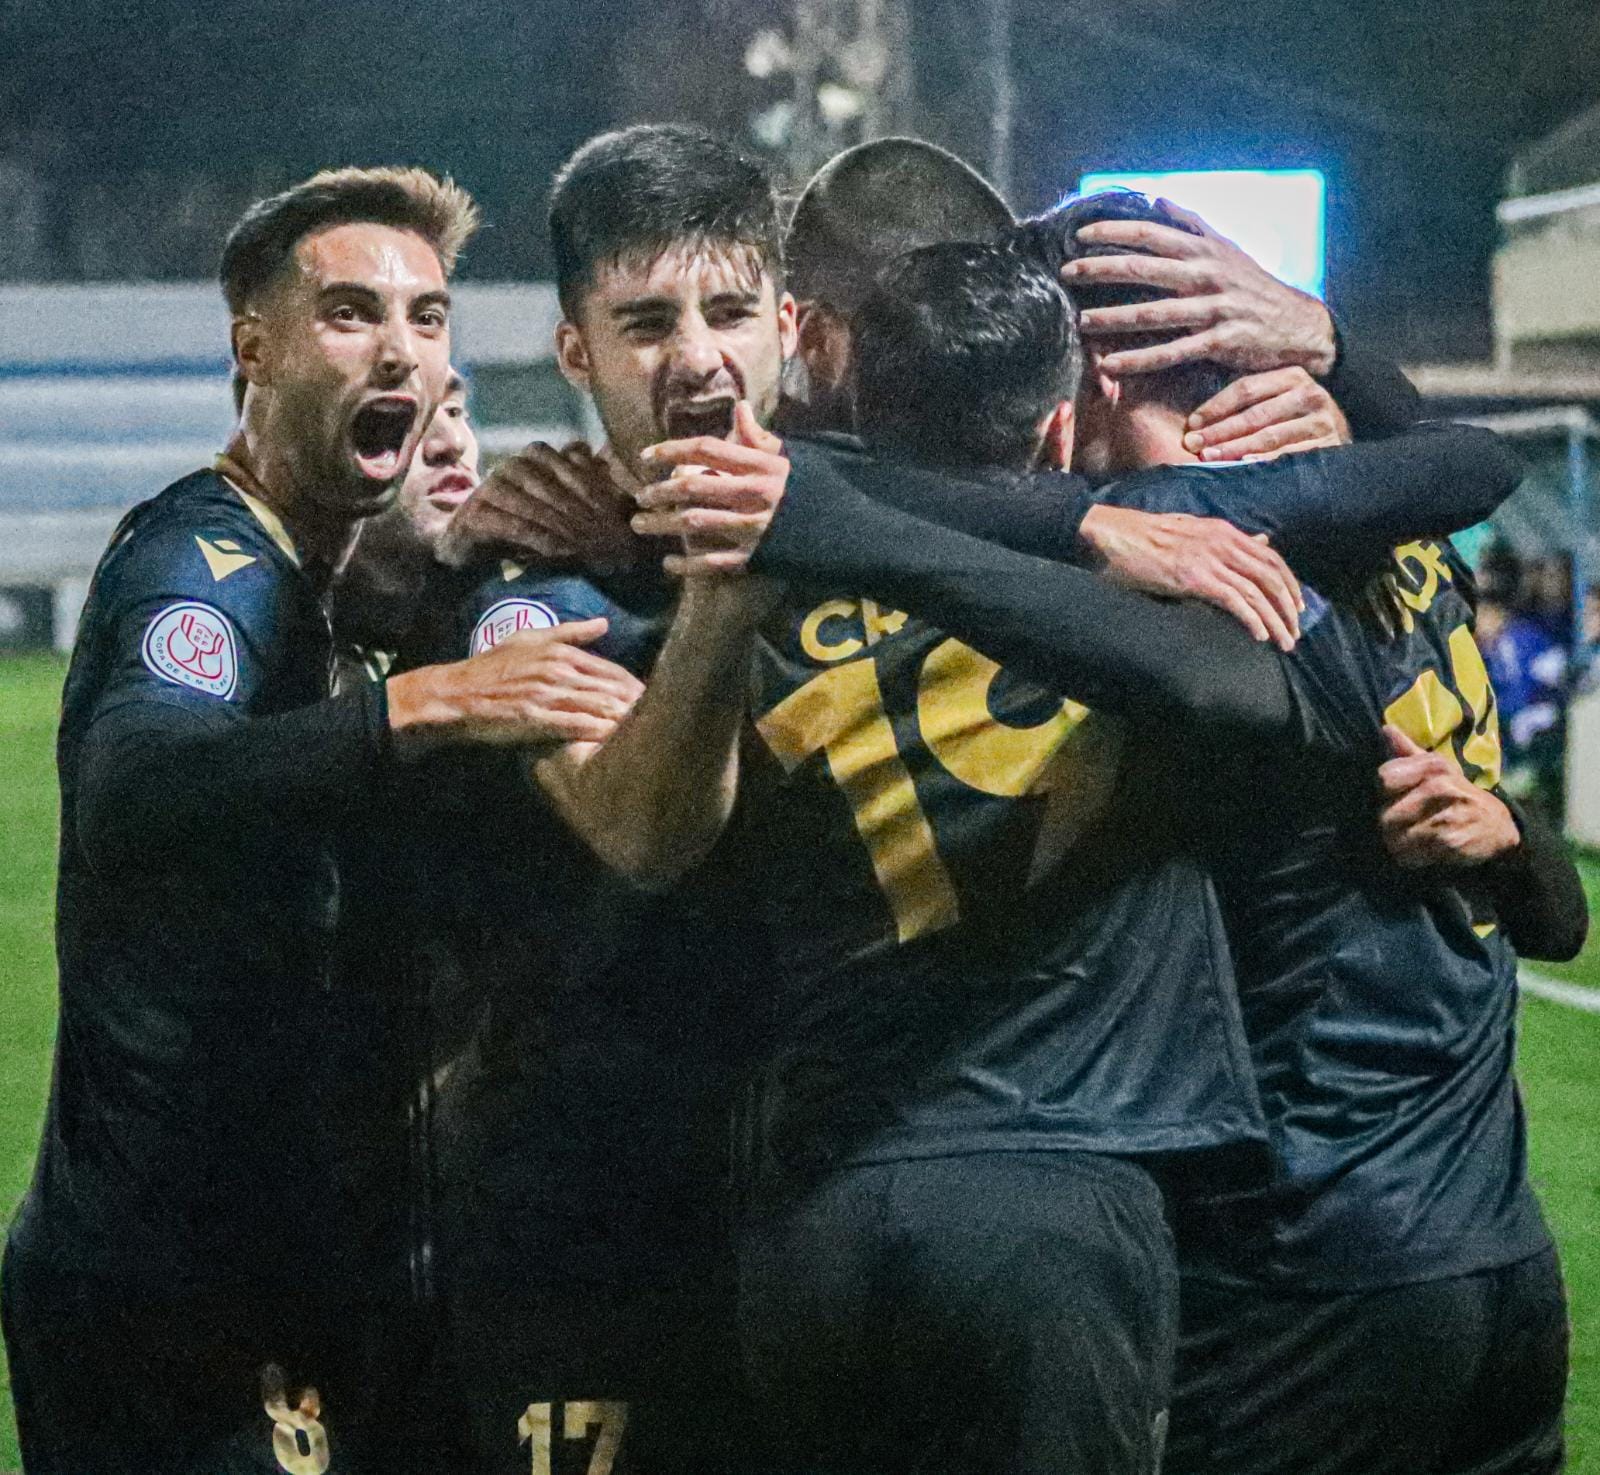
1053 236
641 191
259 246
961 349
877 201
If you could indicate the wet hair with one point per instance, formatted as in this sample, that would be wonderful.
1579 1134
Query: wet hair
877 201
961 350
261 244
639 192
1053 238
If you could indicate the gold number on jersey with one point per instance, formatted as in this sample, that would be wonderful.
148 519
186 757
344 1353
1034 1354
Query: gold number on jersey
840 712
1432 715
299 1442
577 1419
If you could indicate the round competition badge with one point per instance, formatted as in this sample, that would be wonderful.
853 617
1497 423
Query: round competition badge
193 645
510 617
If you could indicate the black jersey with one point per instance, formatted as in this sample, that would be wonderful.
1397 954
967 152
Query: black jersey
598 1064
1380 1003
202 769
986 937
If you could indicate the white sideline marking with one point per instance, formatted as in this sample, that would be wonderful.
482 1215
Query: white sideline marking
1573 994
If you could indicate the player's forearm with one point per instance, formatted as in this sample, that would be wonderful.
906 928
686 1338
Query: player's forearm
1118 651
1038 515
1339 513
1538 894
1377 399
652 800
158 779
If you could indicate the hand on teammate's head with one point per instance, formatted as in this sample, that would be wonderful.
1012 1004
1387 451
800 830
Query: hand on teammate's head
1266 414
1221 304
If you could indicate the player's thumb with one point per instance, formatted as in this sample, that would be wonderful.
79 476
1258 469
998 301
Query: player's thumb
583 632
1400 744
747 430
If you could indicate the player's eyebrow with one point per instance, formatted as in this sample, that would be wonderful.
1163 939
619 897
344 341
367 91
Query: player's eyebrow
636 305
350 291
734 297
438 297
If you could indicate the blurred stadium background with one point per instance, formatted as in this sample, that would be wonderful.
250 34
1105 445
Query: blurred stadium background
1457 225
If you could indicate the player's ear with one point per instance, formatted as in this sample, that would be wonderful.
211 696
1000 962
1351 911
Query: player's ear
1055 438
824 345
788 332
250 344
572 356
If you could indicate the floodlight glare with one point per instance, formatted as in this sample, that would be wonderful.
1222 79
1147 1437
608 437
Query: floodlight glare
1277 215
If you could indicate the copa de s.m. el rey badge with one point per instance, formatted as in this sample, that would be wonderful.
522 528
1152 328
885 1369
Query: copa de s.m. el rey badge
191 644
507 618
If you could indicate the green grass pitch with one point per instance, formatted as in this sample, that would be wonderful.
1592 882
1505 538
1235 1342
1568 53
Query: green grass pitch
1560 1057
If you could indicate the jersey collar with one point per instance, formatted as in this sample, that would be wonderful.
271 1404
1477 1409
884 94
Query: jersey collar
250 492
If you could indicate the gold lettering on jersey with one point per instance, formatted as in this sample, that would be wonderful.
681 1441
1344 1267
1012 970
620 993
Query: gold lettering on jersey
1422 570
223 557
579 1417
877 623
812 640
299 1441
1435 717
840 713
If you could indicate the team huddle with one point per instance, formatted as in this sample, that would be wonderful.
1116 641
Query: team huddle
937 902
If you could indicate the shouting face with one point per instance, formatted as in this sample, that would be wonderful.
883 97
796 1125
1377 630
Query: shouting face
666 346
347 355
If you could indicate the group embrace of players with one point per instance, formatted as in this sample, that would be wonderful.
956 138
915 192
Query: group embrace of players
869 924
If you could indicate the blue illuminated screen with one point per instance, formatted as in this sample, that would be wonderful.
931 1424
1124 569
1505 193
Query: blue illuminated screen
1277 215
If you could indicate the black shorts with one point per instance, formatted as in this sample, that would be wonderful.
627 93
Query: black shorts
997 1312
107 1382
1463 1376
598 1343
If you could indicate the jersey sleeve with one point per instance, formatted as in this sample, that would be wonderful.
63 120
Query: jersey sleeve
1337 514
1376 397
1039 515
473 614
178 746
1538 893
1070 630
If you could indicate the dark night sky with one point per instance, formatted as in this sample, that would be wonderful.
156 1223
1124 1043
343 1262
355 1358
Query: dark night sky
1413 109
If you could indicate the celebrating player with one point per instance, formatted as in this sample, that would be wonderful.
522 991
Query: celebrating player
1306 1277
173 1281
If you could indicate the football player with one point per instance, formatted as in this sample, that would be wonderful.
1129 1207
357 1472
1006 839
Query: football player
174 1279
1300 1292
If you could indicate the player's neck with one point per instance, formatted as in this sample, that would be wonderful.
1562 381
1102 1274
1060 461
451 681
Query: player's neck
1132 437
321 540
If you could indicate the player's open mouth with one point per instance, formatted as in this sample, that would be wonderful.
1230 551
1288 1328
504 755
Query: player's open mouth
689 418
378 433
